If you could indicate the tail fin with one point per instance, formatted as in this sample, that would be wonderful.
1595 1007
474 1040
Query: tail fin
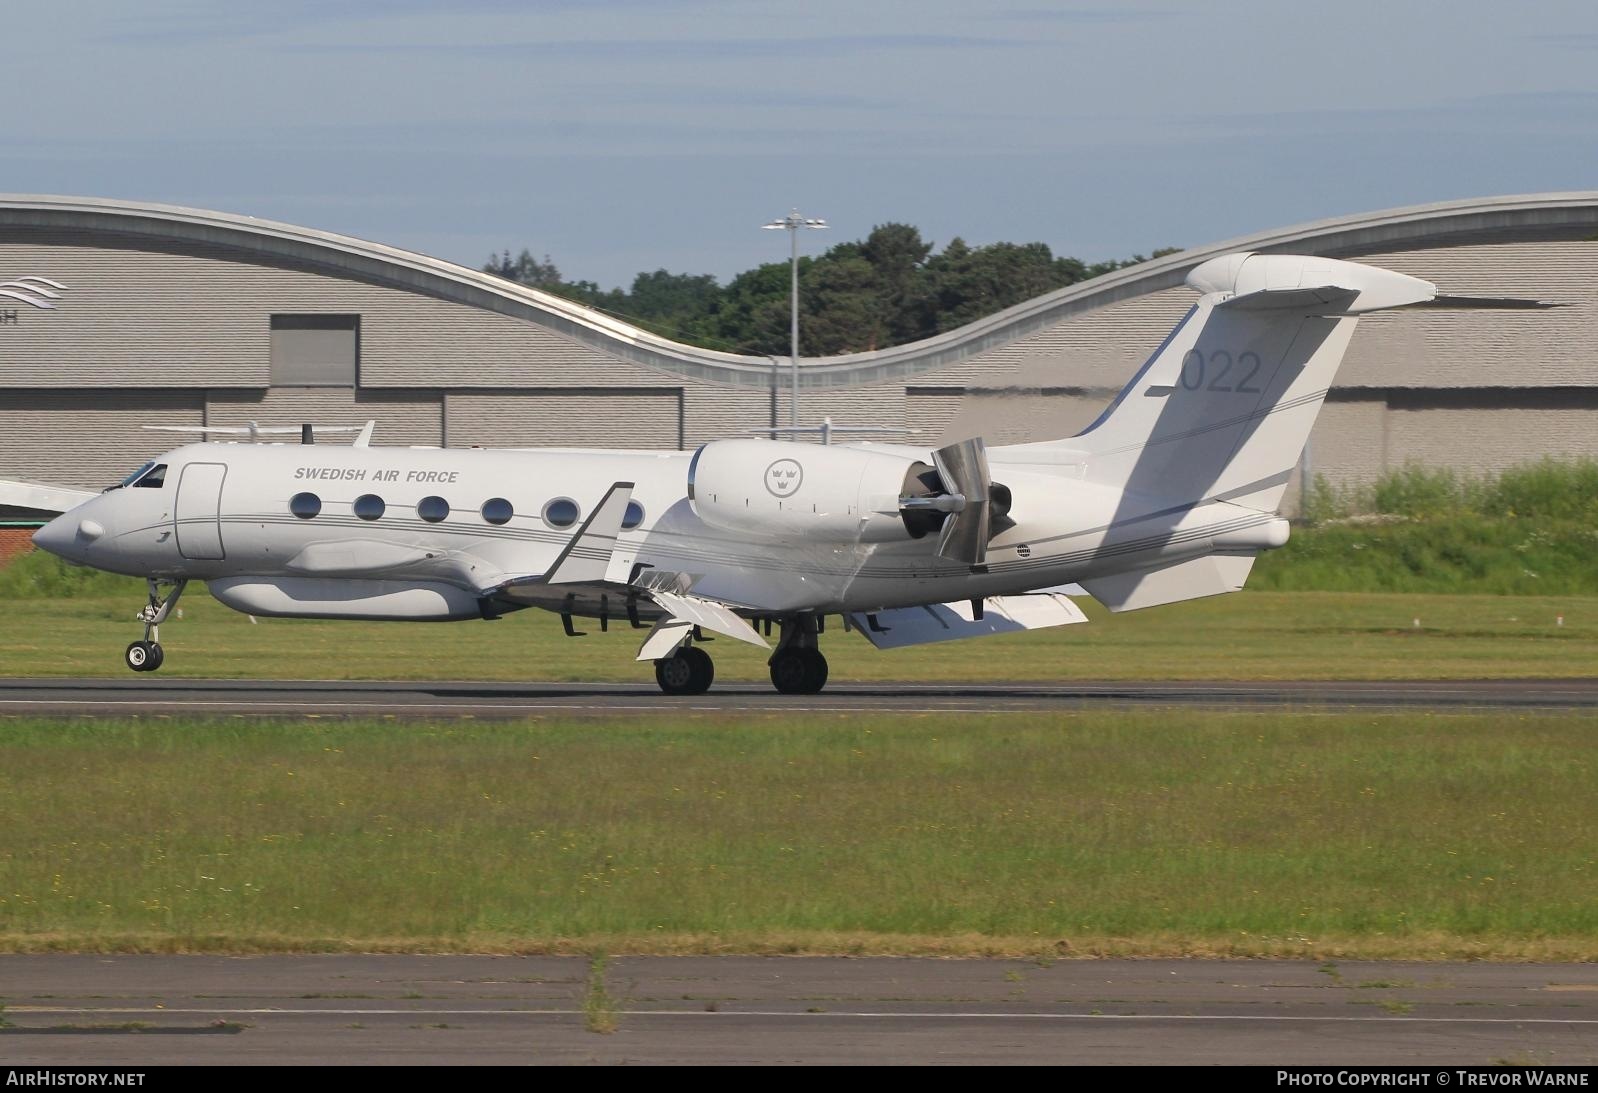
1223 408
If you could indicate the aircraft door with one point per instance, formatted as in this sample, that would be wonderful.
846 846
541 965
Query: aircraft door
199 511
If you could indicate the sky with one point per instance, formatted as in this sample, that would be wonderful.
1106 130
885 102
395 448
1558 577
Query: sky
619 136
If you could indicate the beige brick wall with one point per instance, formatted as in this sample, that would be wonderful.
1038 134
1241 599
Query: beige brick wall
88 438
616 418
1492 435
140 317
406 417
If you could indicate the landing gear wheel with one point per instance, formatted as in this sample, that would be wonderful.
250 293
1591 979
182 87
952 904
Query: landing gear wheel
689 672
144 656
799 671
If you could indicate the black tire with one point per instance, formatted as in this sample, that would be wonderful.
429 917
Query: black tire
139 656
799 672
817 679
704 669
157 657
689 672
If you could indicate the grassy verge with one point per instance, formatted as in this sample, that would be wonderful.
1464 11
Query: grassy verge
1250 635
1141 832
1441 554
1531 530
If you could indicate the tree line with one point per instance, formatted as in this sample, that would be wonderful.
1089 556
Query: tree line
887 289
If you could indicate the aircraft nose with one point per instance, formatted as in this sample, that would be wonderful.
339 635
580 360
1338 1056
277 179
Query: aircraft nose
67 534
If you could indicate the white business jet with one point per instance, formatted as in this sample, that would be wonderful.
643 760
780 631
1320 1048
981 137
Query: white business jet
1170 495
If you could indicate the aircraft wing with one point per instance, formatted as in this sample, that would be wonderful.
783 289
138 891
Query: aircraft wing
580 571
34 497
906 626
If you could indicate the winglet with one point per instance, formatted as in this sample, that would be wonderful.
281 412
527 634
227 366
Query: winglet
587 556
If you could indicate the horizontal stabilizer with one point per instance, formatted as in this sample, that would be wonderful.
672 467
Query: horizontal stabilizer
1211 575
707 613
1320 300
587 557
906 626
1310 285
1485 303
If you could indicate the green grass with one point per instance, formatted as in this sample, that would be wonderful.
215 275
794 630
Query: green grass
37 575
600 1012
1530 530
1549 489
1169 831
1250 635
1445 554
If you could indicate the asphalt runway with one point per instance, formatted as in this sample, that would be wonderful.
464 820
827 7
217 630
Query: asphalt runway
364 1010
135 695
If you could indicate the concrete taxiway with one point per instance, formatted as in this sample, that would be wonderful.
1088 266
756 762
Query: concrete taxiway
364 1009
153 695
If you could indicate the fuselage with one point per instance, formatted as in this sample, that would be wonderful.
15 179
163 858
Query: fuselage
466 522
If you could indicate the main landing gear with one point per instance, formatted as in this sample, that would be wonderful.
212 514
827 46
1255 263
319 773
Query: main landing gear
688 671
797 666
146 655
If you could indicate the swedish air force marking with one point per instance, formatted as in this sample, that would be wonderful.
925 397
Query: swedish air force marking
784 477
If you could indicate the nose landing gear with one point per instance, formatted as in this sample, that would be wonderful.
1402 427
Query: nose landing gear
146 655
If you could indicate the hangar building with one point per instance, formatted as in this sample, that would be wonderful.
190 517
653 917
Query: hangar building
115 315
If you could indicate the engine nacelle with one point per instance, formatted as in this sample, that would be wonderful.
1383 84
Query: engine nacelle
329 598
779 489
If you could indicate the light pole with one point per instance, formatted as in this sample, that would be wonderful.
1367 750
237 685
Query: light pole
792 223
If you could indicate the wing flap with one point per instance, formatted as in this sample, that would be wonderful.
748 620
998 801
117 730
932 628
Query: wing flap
707 613
907 626
664 639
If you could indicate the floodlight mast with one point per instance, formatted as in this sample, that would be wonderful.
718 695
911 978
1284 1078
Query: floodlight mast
792 223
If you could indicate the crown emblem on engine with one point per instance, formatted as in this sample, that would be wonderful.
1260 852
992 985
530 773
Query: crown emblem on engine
783 477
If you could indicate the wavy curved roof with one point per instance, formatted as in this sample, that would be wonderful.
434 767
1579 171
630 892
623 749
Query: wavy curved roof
1519 217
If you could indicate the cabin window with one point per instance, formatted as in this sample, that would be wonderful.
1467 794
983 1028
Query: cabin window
633 516
152 479
432 509
497 510
561 512
305 505
369 506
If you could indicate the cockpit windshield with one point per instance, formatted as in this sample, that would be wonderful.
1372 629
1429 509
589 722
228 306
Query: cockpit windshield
150 476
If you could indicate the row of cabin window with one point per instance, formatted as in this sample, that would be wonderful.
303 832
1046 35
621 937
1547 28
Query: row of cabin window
559 513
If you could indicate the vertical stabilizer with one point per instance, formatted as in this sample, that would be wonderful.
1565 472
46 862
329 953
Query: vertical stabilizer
1224 407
